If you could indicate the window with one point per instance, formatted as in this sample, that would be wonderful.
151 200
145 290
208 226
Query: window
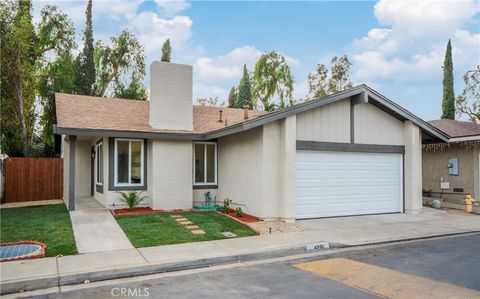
205 163
99 155
128 162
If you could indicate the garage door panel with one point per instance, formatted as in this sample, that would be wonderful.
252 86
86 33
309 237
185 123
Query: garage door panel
339 184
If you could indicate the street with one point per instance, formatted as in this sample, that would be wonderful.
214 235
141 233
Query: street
451 262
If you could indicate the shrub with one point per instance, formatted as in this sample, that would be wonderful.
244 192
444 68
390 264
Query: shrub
226 205
132 198
238 212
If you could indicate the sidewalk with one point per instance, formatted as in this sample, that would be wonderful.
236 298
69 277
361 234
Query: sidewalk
319 233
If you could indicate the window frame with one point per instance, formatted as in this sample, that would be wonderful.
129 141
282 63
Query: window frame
115 163
205 183
98 152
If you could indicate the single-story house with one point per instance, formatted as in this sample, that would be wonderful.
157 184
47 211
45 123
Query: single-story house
451 170
351 153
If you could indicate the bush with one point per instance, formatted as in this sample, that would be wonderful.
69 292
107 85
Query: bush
226 205
238 212
132 198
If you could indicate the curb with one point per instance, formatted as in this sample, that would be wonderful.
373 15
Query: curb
69 279
80 278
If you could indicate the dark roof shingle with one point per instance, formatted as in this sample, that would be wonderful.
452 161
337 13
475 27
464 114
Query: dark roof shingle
455 128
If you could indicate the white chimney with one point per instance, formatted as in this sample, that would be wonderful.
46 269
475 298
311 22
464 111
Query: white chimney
171 96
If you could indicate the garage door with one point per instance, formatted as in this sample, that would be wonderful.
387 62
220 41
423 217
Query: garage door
340 184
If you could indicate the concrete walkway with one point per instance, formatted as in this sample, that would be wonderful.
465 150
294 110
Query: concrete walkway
345 231
95 229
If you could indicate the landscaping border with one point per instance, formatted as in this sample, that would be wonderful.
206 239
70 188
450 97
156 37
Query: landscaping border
26 257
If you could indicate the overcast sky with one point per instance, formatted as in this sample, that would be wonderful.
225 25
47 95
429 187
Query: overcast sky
397 47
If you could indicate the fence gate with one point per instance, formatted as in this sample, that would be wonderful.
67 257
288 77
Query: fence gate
31 179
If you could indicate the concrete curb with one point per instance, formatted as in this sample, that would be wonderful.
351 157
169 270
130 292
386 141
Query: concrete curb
79 278
69 279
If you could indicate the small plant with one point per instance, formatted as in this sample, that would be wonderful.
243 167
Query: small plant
132 198
226 205
238 212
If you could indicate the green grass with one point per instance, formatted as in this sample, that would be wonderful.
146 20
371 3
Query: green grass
161 229
48 224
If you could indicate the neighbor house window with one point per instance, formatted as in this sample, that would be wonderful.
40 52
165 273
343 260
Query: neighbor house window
128 162
205 163
99 150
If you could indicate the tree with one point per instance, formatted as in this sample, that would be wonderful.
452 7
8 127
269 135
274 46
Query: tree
166 51
24 49
126 55
211 101
134 90
272 76
321 83
17 75
232 97
468 103
86 69
244 95
448 97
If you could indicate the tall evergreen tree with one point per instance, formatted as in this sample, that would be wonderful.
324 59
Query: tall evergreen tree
166 51
448 98
244 96
86 69
232 97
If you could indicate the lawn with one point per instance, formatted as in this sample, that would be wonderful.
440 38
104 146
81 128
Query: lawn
48 224
160 229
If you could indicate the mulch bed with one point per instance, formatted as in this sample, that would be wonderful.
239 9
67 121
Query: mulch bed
245 217
139 211
135 211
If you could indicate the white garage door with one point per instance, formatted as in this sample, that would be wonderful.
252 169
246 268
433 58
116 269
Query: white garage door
339 184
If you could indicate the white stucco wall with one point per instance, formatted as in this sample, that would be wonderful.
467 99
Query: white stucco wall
171 174
240 170
330 123
375 126
413 168
66 168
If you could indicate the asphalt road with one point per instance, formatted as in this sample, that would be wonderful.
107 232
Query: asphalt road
452 260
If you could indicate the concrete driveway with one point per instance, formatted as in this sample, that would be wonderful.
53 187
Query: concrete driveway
357 230
95 229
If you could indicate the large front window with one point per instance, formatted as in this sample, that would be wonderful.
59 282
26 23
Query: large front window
205 163
128 162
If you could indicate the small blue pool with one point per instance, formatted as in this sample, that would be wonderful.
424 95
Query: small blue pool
18 251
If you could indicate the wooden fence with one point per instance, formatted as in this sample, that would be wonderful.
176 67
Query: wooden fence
31 179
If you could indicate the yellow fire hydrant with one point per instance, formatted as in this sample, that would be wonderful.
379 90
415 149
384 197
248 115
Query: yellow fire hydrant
468 203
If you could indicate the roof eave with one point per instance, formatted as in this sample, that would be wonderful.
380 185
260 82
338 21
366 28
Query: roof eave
129 134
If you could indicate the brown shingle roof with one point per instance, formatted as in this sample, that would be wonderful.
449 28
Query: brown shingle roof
455 128
86 112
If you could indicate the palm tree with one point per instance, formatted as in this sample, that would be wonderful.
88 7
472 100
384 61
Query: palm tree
272 76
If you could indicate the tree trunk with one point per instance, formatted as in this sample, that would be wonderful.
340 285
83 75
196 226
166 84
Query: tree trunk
21 119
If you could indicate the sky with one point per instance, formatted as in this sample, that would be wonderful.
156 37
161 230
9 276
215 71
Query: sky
397 47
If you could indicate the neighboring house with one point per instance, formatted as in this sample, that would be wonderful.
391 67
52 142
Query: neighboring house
455 163
354 152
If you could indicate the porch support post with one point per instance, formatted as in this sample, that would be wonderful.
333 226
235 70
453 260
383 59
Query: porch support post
71 173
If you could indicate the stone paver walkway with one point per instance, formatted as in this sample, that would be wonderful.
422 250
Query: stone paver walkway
194 229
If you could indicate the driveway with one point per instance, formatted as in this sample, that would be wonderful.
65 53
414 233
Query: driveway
95 229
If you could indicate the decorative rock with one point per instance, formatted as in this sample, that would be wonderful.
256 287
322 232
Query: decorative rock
197 232
186 222
181 219
191 226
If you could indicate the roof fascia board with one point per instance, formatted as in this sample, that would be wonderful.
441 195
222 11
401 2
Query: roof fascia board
274 116
129 134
